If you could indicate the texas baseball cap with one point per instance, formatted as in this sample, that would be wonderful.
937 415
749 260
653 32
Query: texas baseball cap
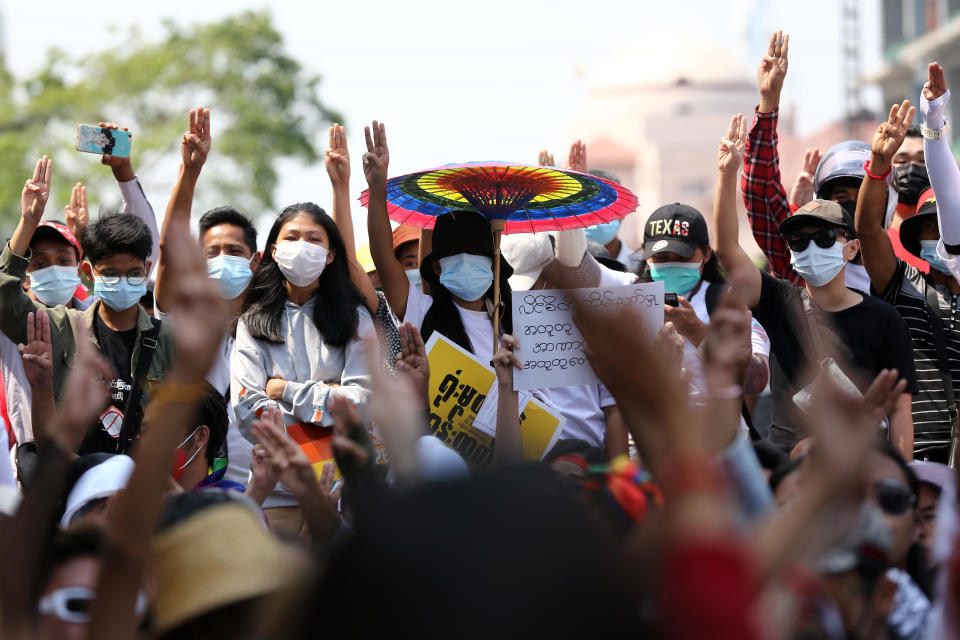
816 213
677 228
57 231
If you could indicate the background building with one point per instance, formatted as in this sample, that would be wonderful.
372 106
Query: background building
915 33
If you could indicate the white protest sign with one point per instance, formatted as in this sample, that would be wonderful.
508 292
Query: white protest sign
551 346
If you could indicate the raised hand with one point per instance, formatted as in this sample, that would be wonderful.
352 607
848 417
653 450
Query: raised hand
577 159
122 168
197 141
890 134
669 346
337 158
687 322
35 193
412 360
802 191
262 476
288 462
505 360
545 159
730 153
377 158
936 84
76 212
37 354
772 71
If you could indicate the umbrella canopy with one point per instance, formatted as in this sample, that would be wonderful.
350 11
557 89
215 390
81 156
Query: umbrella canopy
528 199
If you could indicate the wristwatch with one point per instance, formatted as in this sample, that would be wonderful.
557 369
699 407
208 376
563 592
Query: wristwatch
934 134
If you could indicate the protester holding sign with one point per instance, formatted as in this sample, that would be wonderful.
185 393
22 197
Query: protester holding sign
825 326
300 340
458 270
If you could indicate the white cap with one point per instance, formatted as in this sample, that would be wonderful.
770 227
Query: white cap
100 481
438 462
529 254
935 473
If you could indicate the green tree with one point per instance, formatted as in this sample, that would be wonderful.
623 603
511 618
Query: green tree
265 107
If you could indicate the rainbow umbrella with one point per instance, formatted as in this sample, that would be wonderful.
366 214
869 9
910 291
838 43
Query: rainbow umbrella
516 198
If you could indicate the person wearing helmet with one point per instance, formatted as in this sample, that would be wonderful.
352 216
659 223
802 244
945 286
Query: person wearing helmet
927 301
825 332
837 177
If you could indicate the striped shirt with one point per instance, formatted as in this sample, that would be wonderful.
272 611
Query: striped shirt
907 292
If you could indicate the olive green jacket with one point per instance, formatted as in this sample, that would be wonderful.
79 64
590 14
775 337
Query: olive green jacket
15 304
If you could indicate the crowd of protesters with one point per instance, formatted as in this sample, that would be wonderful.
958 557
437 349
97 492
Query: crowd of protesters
777 462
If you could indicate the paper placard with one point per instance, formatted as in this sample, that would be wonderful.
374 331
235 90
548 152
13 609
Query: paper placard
551 346
459 390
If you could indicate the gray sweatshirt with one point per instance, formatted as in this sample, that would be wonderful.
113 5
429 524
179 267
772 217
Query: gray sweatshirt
308 364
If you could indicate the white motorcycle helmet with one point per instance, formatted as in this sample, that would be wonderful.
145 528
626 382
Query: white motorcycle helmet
846 160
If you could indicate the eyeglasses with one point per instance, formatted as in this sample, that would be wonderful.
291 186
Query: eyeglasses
824 238
893 497
135 278
72 604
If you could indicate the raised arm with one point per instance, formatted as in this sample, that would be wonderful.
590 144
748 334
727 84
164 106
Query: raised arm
941 165
134 199
763 192
337 161
375 163
194 148
875 248
726 227
802 190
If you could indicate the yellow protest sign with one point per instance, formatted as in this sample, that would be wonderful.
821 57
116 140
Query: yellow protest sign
459 387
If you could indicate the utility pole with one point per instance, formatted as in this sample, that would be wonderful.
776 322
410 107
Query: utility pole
850 53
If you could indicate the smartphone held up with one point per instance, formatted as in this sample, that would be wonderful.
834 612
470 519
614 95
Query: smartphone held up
103 141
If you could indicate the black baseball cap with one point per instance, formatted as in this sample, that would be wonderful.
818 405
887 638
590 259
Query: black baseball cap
677 228
816 213
461 232
910 228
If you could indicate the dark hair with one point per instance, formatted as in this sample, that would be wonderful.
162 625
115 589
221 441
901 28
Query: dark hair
578 447
213 413
114 234
336 299
784 470
229 215
913 131
443 316
769 455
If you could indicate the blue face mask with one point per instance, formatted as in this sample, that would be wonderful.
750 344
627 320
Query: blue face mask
466 276
928 252
54 285
413 275
603 233
232 274
120 296
677 277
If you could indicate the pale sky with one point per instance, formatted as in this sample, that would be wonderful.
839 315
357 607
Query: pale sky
457 81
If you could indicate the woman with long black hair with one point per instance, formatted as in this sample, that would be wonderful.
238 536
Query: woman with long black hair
300 338
458 271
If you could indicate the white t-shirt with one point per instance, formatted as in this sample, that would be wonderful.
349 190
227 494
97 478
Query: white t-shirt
583 406
477 324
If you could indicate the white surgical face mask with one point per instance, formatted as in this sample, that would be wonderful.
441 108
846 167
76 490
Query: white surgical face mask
300 262
413 275
816 265
55 284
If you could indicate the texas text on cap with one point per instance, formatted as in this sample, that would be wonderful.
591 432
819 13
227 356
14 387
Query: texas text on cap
677 228
55 229
815 213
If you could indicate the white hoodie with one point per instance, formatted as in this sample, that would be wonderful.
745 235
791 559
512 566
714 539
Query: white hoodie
308 364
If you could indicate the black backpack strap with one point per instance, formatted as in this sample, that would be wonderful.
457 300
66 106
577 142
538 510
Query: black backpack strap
939 332
713 294
148 346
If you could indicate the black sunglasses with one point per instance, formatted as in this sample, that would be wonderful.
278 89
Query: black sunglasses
893 497
824 238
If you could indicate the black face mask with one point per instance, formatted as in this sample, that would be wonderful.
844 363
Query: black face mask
913 180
